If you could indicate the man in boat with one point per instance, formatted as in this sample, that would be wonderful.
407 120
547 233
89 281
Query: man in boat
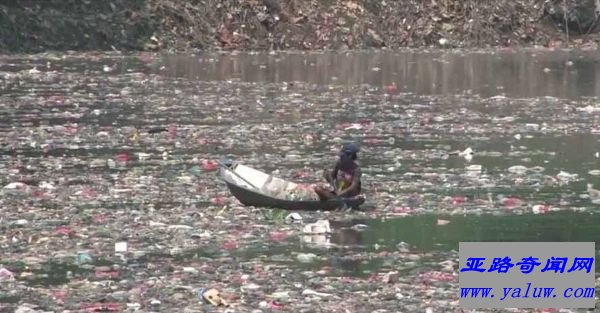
345 176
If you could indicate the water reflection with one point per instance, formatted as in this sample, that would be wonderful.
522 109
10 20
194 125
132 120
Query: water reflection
331 233
347 264
425 234
347 247
512 73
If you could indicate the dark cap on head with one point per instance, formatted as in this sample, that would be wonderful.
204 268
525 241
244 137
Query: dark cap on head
349 148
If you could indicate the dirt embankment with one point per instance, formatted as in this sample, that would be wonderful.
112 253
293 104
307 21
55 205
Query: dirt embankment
186 25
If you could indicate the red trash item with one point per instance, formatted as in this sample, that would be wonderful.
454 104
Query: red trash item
89 193
403 209
122 157
278 236
99 218
391 88
209 165
458 200
172 131
59 294
65 230
218 200
435 276
275 306
110 274
230 245
511 203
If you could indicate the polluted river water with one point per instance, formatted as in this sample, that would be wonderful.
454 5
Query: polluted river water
111 201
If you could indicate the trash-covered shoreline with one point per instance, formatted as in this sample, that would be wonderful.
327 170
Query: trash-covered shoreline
110 199
203 25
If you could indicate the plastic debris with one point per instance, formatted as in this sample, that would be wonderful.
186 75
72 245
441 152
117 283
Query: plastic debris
6 274
319 227
390 277
294 218
212 296
467 154
120 247
306 257
441 222
310 292
112 200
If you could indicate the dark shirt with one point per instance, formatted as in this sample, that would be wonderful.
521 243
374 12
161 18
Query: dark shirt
345 176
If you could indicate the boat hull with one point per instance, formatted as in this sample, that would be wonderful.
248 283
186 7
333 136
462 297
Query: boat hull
247 191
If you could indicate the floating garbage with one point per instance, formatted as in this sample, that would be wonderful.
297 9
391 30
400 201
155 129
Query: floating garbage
212 296
120 247
287 190
390 277
518 169
541 209
294 218
359 227
306 257
441 222
6 274
111 197
467 154
594 172
319 227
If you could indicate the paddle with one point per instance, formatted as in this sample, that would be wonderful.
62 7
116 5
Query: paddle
238 175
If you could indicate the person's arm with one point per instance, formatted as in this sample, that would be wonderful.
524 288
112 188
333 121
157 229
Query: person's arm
331 174
354 185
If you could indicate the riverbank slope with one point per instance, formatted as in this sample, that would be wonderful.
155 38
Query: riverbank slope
28 26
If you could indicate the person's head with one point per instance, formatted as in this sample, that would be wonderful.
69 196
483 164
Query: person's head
348 153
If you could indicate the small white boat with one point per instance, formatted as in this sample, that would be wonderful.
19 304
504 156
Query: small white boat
256 188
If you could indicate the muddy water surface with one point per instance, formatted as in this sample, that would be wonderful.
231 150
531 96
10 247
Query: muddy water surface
98 149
